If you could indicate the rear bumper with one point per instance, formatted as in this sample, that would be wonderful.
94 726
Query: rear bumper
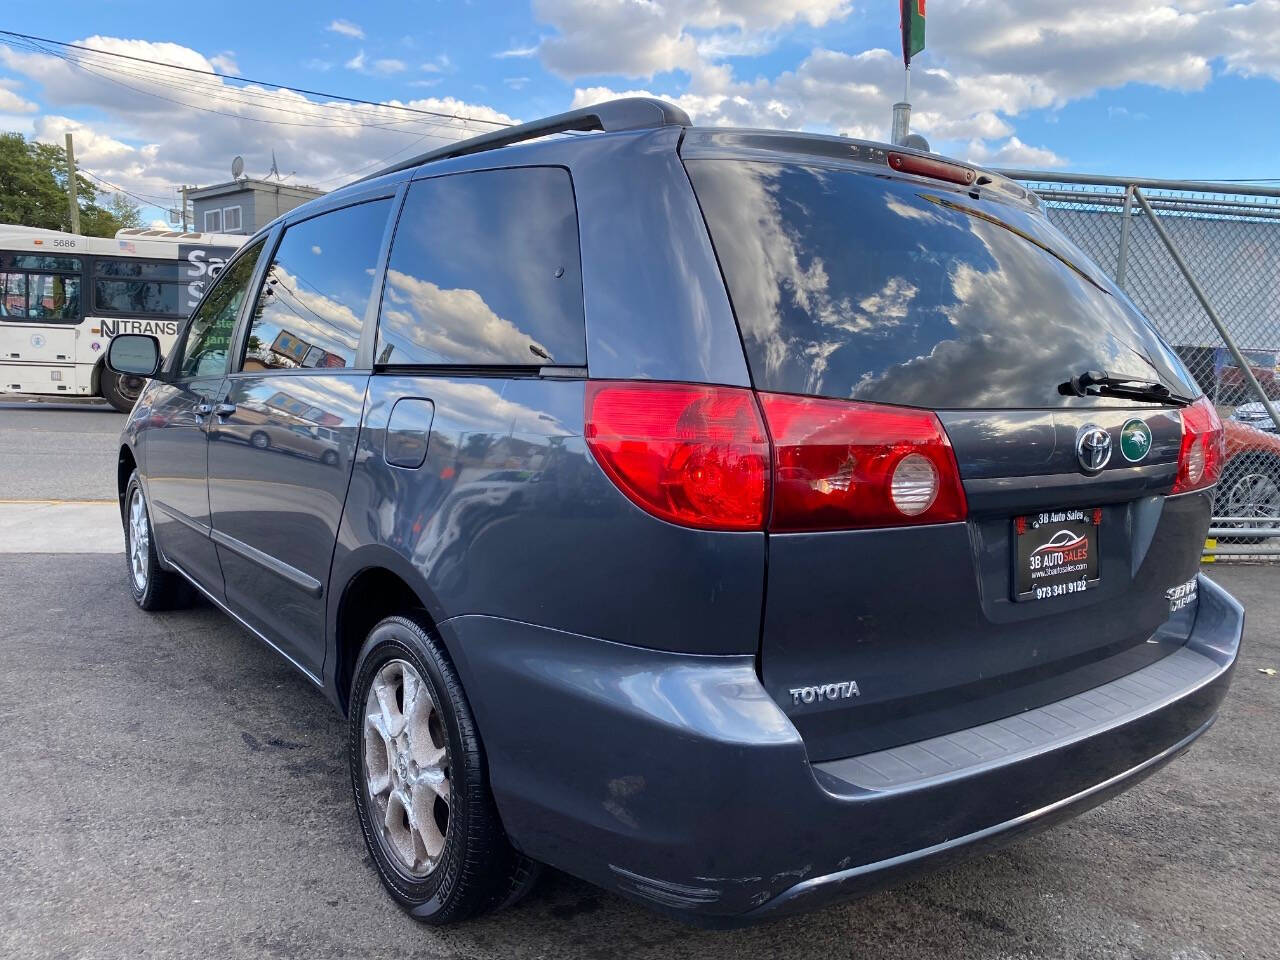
675 780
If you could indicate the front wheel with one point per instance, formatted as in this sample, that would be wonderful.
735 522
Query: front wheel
121 391
421 783
152 588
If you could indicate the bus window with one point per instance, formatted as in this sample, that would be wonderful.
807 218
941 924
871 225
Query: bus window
51 297
13 295
28 261
132 286
39 296
135 296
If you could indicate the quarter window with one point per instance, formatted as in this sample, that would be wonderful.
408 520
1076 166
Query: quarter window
209 335
311 307
485 271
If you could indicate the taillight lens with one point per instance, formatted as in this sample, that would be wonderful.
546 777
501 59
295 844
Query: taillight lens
694 455
1203 450
843 464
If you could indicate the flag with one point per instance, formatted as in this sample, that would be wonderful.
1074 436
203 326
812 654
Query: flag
912 12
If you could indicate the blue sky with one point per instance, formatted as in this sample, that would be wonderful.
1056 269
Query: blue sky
1174 88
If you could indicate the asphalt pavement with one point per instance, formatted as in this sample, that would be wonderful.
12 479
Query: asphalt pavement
171 788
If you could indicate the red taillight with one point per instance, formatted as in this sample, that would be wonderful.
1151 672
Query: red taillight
842 464
700 457
1203 450
697 456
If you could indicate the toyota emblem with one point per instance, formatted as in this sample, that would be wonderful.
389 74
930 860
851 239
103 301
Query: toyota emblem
1093 447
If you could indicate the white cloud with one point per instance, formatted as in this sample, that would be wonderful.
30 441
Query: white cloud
641 39
356 62
11 101
346 28
1013 153
146 143
989 61
389 66
225 62
516 52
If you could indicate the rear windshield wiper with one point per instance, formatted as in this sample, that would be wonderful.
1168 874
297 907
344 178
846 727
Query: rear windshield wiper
1096 383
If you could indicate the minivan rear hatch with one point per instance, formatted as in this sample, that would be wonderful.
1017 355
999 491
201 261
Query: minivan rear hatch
855 282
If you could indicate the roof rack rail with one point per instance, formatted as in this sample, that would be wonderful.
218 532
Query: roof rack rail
628 113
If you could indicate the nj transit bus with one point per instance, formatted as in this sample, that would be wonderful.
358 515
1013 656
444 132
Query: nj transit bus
63 297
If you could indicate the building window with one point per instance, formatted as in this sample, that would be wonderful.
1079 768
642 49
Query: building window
213 221
230 219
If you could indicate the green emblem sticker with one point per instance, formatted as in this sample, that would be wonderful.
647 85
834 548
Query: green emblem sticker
1135 440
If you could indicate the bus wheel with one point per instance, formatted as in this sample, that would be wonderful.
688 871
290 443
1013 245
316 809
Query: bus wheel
121 392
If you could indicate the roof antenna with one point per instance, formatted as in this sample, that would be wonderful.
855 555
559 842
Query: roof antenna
275 170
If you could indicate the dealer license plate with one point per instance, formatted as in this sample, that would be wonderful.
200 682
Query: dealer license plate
1056 553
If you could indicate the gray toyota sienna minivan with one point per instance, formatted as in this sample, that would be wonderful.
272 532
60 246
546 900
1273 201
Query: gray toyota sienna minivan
735 519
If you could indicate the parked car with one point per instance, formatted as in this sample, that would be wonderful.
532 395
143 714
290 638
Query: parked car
1254 414
1250 485
686 529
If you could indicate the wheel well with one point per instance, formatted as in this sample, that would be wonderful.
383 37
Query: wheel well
124 470
372 594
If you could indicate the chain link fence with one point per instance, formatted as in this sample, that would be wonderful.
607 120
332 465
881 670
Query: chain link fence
1228 240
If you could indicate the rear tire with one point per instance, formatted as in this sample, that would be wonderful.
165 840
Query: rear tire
151 587
421 785
120 391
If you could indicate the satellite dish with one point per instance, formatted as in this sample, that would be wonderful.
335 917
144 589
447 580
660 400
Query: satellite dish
916 142
237 168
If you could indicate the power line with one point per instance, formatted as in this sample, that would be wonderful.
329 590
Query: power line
119 189
222 92
240 79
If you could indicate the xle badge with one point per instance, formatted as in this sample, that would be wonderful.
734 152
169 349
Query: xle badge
1135 440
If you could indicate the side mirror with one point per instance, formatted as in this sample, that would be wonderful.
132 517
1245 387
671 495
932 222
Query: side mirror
134 354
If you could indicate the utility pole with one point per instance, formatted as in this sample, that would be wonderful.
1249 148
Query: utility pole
71 186
184 208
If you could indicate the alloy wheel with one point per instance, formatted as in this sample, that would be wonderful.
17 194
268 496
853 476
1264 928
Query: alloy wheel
406 769
1254 495
139 541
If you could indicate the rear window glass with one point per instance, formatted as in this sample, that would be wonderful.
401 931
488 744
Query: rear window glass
848 284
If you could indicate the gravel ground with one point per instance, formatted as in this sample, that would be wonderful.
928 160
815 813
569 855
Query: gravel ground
172 788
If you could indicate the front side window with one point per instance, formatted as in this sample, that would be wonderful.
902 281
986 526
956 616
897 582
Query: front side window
209 336
485 271
312 303
43 297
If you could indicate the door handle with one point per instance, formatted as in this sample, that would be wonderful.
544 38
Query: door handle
202 410
225 409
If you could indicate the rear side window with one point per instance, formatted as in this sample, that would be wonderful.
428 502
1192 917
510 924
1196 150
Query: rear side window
312 303
848 284
484 271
